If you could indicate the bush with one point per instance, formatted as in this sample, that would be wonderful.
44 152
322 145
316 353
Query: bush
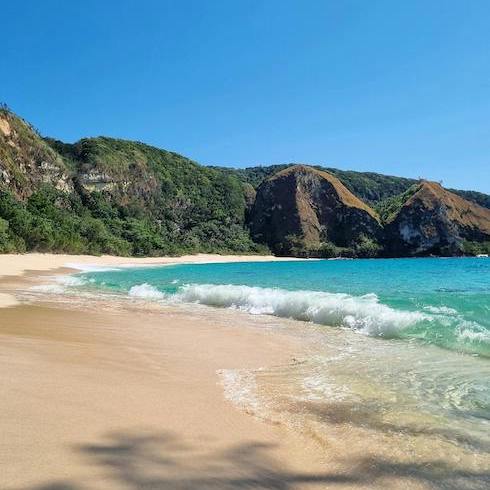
475 248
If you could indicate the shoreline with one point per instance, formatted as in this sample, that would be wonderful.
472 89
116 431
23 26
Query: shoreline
119 398
18 264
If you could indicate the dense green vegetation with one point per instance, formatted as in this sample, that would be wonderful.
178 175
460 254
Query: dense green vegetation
295 245
389 207
475 248
54 221
122 197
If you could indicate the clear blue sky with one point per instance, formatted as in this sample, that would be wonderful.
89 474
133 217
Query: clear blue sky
399 87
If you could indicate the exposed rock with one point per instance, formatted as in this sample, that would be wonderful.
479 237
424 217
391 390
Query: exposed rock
435 221
312 205
26 161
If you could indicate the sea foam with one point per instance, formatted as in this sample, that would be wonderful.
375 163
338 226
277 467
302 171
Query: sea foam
364 314
145 291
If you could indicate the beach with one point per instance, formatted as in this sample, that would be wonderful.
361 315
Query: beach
100 394
111 399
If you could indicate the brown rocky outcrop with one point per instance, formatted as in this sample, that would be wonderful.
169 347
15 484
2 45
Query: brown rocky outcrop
311 205
435 221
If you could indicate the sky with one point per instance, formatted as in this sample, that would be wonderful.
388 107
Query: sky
401 88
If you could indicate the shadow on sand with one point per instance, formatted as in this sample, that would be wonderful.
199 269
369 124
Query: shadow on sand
142 461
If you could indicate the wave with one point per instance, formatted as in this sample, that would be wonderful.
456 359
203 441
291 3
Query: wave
364 314
71 281
90 267
145 291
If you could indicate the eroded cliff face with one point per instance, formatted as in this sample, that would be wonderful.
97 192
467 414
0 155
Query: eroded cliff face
435 221
26 161
311 205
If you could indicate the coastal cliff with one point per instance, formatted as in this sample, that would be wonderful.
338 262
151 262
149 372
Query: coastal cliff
301 205
434 221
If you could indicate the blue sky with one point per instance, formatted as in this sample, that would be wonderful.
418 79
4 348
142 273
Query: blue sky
395 87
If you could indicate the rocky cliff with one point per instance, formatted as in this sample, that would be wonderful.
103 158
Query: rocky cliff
26 161
435 221
302 203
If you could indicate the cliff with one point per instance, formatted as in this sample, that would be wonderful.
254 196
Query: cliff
26 161
312 206
435 221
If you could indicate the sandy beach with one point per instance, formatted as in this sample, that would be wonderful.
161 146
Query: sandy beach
125 399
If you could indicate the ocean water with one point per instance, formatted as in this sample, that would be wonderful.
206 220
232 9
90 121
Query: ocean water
397 351
445 302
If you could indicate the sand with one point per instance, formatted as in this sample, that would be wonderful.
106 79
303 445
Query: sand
16 264
106 398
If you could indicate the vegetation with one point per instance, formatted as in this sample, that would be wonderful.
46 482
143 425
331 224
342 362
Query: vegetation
475 248
121 197
371 187
389 207
54 221
365 248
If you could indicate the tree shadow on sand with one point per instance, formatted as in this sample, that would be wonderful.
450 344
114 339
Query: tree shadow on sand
362 415
143 461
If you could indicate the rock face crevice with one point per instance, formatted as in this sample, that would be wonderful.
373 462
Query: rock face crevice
310 204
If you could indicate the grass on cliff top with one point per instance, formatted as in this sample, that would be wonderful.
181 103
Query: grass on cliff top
389 208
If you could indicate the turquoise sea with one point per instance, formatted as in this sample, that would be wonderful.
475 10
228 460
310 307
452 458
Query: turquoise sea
445 302
397 351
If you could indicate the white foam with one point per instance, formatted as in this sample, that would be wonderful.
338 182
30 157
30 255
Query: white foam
364 314
441 310
473 332
318 388
145 291
90 267
70 281
240 388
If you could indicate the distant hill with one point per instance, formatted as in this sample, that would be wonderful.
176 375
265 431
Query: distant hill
106 195
433 220
371 187
302 209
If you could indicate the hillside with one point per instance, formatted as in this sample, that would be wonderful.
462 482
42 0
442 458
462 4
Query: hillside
103 195
27 160
106 195
433 220
301 211
371 187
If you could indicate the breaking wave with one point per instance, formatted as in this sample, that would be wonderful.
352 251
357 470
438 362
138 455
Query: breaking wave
364 314
145 291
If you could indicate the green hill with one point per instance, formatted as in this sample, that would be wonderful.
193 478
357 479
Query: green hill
371 187
120 197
